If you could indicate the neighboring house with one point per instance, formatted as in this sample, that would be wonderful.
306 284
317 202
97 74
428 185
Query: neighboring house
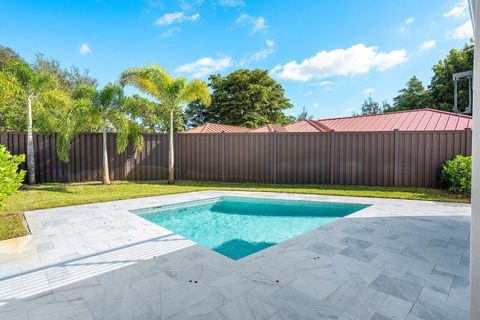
411 120
217 128
307 126
269 128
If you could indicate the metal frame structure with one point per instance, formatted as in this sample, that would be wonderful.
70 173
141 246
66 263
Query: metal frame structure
459 76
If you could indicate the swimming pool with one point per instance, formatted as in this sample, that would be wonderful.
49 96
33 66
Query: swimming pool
237 227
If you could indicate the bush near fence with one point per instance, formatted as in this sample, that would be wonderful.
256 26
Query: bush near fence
391 158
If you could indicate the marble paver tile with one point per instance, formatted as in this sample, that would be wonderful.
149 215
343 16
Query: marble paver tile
392 264
231 286
378 316
247 307
403 289
325 249
291 303
120 302
366 303
182 297
459 295
61 310
358 254
205 308
452 268
394 308
435 310
429 295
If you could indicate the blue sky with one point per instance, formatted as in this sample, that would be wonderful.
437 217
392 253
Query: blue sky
328 55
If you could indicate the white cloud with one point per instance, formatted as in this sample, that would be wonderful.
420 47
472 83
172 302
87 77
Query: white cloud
402 29
316 104
190 4
462 32
409 20
458 11
231 3
176 17
205 66
171 32
326 83
427 45
259 55
84 49
256 23
369 91
358 59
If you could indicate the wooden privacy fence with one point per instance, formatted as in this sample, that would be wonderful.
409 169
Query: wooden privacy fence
359 158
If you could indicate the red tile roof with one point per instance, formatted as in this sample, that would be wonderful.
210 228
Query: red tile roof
411 120
270 128
216 128
307 126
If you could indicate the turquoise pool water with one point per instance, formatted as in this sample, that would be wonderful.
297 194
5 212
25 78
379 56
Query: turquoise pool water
237 227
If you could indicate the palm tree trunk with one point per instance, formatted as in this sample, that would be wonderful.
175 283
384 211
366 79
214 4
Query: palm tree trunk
30 150
105 173
171 178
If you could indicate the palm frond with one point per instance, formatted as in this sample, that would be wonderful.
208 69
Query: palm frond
197 90
152 80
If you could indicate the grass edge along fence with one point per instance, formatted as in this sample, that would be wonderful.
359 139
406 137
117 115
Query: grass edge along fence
394 158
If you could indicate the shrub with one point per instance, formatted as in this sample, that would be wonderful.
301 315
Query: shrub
10 177
457 174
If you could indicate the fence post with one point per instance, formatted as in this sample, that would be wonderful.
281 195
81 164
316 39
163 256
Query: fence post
273 148
396 158
332 165
468 141
4 139
224 155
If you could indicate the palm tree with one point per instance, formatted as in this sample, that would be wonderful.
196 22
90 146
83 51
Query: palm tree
36 90
103 109
170 93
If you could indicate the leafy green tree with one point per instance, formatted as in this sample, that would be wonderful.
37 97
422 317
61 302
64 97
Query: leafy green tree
32 90
106 109
304 115
413 96
7 55
171 95
370 106
10 177
196 114
441 87
13 113
248 98
68 79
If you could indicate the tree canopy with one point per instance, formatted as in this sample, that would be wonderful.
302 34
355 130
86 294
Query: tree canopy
441 86
413 96
370 106
249 98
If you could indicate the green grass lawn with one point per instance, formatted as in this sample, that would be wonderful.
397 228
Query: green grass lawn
62 194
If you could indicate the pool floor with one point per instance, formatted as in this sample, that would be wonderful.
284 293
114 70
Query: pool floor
237 227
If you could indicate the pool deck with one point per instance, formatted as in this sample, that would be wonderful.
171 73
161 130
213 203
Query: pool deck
396 259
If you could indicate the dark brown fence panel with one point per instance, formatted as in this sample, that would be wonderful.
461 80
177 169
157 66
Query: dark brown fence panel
247 158
360 158
303 157
421 155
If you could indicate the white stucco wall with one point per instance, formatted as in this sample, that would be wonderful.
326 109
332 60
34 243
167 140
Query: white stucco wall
475 218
